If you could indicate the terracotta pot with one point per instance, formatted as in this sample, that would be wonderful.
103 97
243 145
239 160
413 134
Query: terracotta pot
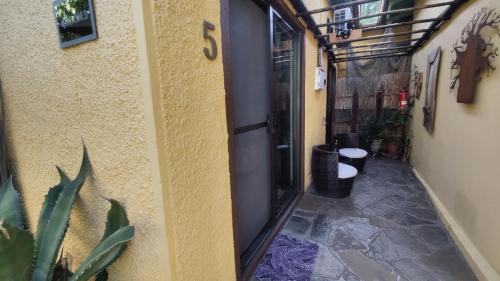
392 148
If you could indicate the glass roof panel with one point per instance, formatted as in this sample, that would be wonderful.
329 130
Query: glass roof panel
369 9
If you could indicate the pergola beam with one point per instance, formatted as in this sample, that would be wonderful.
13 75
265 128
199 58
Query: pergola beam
375 44
382 36
399 11
376 50
384 26
401 54
300 7
398 24
447 13
334 7
435 23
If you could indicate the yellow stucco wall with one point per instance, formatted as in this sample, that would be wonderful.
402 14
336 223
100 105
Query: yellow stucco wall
195 144
192 138
459 161
94 91
314 107
150 107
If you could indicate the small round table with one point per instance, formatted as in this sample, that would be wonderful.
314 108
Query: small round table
347 171
346 175
357 157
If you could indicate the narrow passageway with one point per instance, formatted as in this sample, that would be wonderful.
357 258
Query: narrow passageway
387 230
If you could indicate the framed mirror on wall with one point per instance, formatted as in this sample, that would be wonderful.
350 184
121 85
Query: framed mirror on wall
75 21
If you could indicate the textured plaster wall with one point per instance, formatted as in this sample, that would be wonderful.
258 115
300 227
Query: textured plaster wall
191 109
459 160
151 109
190 113
315 105
94 91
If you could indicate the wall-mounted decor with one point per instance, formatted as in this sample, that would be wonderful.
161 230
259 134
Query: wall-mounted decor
75 21
473 54
430 89
417 80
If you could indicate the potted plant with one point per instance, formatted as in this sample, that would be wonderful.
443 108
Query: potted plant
37 255
373 134
406 144
394 123
392 146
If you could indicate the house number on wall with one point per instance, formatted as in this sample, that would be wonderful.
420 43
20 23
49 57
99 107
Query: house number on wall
211 53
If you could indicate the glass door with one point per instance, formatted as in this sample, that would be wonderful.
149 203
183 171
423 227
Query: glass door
265 58
285 120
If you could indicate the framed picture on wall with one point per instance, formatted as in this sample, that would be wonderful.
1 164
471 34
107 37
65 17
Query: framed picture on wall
75 21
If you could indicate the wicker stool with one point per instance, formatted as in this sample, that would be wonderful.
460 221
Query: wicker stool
331 178
346 176
357 157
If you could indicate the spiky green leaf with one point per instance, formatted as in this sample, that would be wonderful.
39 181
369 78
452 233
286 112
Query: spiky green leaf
117 218
16 253
103 254
53 234
48 205
11 208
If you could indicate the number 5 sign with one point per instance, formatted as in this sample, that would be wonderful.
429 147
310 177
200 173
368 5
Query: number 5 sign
211 53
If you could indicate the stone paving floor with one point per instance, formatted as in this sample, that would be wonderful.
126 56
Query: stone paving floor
387 230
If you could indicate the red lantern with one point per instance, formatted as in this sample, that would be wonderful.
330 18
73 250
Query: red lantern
403 99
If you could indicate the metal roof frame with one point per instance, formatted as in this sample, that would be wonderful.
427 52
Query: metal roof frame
396 50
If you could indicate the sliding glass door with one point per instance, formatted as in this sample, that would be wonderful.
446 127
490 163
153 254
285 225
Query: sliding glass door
285 53
265 63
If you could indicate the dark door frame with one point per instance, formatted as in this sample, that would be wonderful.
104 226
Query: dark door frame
330 102
291 19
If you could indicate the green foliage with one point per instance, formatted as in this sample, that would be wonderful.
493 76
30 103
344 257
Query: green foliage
24 257
16 253
395 118
395 122
374 129
11 209
112 244
51 236
104 254
390 127
367 9
69 8
48 206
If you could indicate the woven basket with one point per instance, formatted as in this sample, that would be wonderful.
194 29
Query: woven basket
324 167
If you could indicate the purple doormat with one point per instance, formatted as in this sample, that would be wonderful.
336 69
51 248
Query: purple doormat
288 259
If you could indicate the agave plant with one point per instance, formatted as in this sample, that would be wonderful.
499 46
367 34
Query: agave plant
24 256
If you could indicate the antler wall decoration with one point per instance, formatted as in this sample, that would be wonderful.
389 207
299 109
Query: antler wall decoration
473 54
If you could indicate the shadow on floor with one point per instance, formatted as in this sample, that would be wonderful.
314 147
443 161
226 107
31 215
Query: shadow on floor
387 230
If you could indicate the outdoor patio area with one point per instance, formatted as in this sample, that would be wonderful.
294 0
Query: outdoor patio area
387 230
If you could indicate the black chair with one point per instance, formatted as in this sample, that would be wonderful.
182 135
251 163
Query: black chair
331 178
349 140
349 151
